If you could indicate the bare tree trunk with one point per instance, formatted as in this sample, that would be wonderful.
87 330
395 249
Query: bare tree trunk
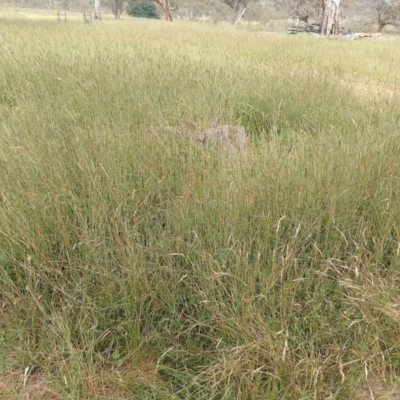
166 7
382 22
238 12
97 13
168 15
321 10
330 21
240 15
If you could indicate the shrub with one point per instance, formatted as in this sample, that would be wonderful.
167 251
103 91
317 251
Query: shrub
142 9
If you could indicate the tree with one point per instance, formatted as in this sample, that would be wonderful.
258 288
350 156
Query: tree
166 7
380 12
238 7
202 9
301 10
96 11
142 9
326 12
116 7
330 20
388 13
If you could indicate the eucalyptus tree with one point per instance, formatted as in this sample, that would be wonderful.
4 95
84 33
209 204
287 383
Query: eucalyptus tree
166 7
379 12
330 17
301 10
387 12
117 7
238 7
325 12
96 11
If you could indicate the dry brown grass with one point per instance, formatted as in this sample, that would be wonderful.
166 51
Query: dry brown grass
100 383
371 90
37 387
376 388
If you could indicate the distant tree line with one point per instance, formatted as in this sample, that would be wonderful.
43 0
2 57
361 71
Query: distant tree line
379 12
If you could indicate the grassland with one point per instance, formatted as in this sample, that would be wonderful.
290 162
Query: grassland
136 264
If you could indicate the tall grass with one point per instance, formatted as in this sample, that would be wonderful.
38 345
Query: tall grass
137 264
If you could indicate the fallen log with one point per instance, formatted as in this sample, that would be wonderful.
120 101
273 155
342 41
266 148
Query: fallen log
355 36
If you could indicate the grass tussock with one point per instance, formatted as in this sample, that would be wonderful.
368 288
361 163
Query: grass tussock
136 263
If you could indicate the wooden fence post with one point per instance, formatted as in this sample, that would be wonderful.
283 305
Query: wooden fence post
60 14
88 18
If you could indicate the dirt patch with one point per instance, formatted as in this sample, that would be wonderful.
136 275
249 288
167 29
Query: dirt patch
377 389
36 387
99 383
